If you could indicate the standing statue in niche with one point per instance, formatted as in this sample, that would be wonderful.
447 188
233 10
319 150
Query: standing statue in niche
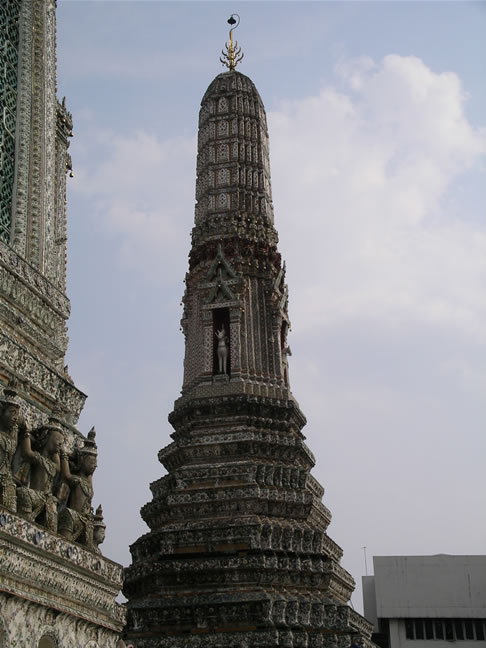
222 350
76 519
286 352
9 426
41 449
99 529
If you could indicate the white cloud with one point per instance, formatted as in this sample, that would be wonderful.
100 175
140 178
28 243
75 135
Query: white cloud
363 174
142 189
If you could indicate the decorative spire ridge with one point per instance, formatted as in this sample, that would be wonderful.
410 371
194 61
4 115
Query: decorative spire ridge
90 446
233 54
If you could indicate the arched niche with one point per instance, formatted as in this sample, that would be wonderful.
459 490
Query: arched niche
47 641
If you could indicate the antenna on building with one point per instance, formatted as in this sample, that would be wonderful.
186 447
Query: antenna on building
233 54
366 561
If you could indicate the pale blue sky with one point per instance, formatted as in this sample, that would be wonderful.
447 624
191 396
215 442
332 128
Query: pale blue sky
376 117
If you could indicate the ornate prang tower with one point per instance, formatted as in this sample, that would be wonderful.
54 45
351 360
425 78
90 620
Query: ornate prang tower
237 555
56 589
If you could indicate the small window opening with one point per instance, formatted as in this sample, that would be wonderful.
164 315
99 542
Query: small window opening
479 630
468 626
459 629
439 630
449 633
409 629
419 629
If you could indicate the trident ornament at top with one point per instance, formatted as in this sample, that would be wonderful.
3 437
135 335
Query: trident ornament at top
233 54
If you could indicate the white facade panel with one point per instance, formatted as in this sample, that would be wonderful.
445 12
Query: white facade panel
430 586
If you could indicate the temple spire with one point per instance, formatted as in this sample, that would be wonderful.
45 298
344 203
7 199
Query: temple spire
233 54
237 554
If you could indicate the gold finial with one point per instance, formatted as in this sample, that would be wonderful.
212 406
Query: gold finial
233 54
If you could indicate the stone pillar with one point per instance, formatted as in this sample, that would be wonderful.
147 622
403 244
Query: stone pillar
235 342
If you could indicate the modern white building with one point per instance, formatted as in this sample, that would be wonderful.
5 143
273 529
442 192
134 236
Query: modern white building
414 601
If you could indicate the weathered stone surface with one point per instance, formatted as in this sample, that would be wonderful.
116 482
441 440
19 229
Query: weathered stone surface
44 568
238 553
23 623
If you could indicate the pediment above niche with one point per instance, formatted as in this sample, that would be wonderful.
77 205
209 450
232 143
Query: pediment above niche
219 276
220 267
220 293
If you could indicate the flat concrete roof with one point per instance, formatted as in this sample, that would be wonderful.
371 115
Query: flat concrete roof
430 586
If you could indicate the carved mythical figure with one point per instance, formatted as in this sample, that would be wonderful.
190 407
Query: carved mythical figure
40 449
222 350
99 529
9 425
76 519
286 352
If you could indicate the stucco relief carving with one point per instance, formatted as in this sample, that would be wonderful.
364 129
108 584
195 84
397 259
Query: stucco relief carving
27 367
12 525
23 129
26 622
9 427
36 498
76 520
49 128
35 211
32 334
68 588
63 165
43 319
17 265
46 475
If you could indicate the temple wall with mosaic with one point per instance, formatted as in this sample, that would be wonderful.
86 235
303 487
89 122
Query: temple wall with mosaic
56 588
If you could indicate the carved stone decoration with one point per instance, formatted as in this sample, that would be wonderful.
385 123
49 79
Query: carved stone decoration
219 280
76 518
99 529
27 620
36 499
9 426
57 262
237 555
9 57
